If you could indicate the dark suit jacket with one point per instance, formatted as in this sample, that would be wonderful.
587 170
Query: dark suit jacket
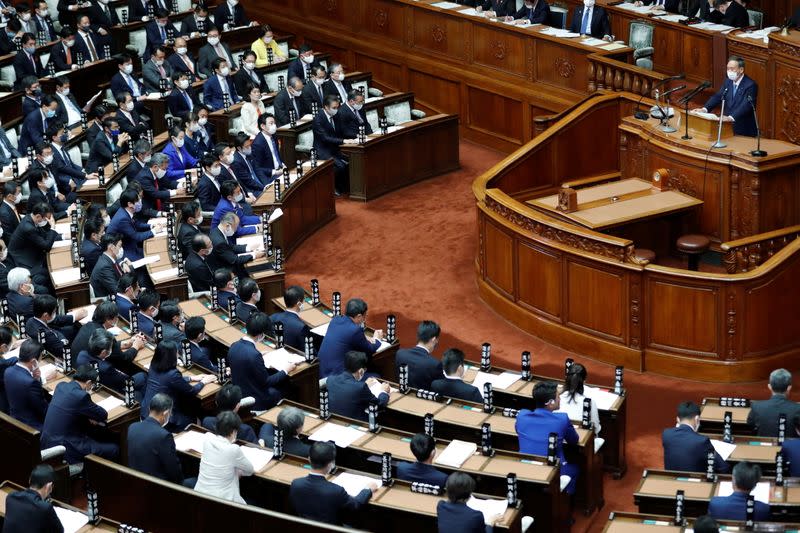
737 106
172 333
24 67
456 388
298 69
207 192
29 245
262 156
294 329
27 512
178 104
669 5
327 137
92 132
207 55
540 14
133 233
791 453
181 391
250 183
5 364
153 36
20 305
150 195
151 449
105 276
224 296
316 498
30 104
291 445
423 368
329 88
190 25
133 126
9 219
136 10
37 196
45 25
502 8
244 310
124 307
201 356
226 252
100 18
245 433
65 169
222 15
351 398
213 95
27 400
186 234
342 336
53 338
763 417
243 77
458 517
102 153
81 344
109 376
312 93
686 451
178 64
91 251
58 57
32 130
82 47
600 25
249 372
119 84
283 103
421 472
736 16
348 121
733 507
69 410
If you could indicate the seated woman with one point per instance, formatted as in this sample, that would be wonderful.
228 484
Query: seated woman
223 461
180 160
165 377
290 420
191 136
252 108
574 393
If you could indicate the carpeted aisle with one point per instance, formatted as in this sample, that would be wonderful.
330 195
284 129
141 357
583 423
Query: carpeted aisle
412 252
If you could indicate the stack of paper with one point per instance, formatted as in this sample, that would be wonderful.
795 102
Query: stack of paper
275 215
471 12
190 440
90 183
499 381
71 520
281 358
66 275
724 449
558 32
591 41
343 436
671 17
446 5
110 403
353 483
167 273
707 116
491 509
65 243
601 398
377 389
635 8
250 240
384 346
760 493
258 457
46 371
759 34
146 261
456 453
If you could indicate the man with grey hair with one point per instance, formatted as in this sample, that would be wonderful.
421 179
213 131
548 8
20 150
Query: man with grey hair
336 84
156 188
20 292
764 414
291 420
738 95
226 253
142 152
290 99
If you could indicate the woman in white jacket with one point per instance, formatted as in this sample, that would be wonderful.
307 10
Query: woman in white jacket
223 461
574 393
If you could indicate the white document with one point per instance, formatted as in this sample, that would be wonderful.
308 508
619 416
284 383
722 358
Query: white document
446 5
377 388
724 449
115 331
91 183
145 261
707 116
257 456
491 509
353 483
47 370
190 440
602 399
499 381
281 358
384 346
168 273
591 41
761 492
612 46
89 312
471 12
110 403
343 436
320 330
11 353
64 243
250 240
71 520
66 275
456 453
671 17
275 215
62 228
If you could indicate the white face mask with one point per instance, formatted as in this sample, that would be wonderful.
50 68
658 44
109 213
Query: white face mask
267 40
588 3
70 43
120 253
161 172
224 71
272 128
65 91
228 232
47 160
127 69
339 77
182 50
249 66
247 151
198 220
358 107
227 159
215 171
183 84
178 142
158 62
44 13
18 198
129 106
213 41
733 75
239 197
332 112
25 17
308 59
319 81
202 121
42 223
194 127
106 220
147 158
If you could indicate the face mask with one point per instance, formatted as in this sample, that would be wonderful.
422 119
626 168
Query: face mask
159 62
70 44
255 97
64 137
49 182
65 92
213 41
30 49
249 66
215 171
50 113
127 69
247 151
258 296
228 232
161 24
588 3
308 59
239 197
129 106
340 76
233 2
120 253
161 172
194 127
358 107
104 1
155 313
114 133
36 92
86 29
319 82
18 198
181 50
202 121
228 159
42 223
201 19
147 158
732 75
198 220
106 220
224 71
25 17
137 206
44 13
528 6
332 112
271 129
183 84
267 40
47 160
178 142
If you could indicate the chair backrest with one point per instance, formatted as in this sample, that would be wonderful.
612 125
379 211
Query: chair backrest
362 85
113 193
756 18
119 11
272 78
12 137
305 141
75 154
284 47
123 182
519 4
236 123
184 5
8 74
178 24
558 17
399 112
372 118
138 39
641 34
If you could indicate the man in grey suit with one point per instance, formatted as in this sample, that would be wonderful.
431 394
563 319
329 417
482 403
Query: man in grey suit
7 150
764 414
156 69
171 319
211 51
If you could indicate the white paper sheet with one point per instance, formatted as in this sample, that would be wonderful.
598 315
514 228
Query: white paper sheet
71 520
11 353
343 436
707 116
281 358
250 240
168 273
275 215
456 453
446 5
89 312
257 456
110 403
471 12
146 261
671 17
115 331
377 388
558 32
190 440
761 492
353 483
90 183
499 381
591 41
384 346
601 398
320 330
64 243
66 275
47 370
724 449
491 509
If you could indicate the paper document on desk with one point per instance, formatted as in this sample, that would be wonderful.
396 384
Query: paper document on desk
71 520
112 402
48 370
671 17
258 457
353 483
759 34
612 46
760 493
635 8
321 330
602 399
146 261
190 440
491 509
446 5
591 41
558 32
168 273
471 12
275 215
114 330
91 183
11 353
343 436
707 116
89 312
66 275
377 389
724 449
64 243
281 358
252 240
456 453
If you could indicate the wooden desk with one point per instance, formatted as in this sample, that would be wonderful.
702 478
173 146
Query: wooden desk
85 82
621 522
413 151
760 450
712 416
163 272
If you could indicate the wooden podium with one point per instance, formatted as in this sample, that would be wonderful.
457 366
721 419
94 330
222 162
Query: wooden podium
704 128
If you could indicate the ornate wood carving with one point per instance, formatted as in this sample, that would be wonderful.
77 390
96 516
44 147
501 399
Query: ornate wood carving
735 216
438 33
684 184
381 18
530 56
636 328
784 48
498 49
731 325
565 67
330 5
789 96
755 191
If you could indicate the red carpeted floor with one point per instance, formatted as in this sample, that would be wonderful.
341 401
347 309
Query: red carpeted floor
411 253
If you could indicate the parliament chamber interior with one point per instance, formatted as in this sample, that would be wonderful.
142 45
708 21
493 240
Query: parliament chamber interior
399 265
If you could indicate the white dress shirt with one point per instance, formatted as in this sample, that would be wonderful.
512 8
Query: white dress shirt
220 467
574 408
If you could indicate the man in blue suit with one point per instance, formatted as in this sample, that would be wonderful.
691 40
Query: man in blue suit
57 330
26 62
266 154
229 398
302 67
7 150
159 32
127 292
218 85
227 285
424 449
733 507
195 331
100 347
248 369
230 12
328 138
423 368
230 196
294 329
182 99
149 302
764 415
534 427
534 11
157 188
684 449
315 498
452 383
454 514
70 410
345 334
133 233
36 123
350 394
31 509
251 178
739 93
209 184
27 400
589 19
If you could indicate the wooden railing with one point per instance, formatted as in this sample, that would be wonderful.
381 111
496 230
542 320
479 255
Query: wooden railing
542 122
743 255
613 75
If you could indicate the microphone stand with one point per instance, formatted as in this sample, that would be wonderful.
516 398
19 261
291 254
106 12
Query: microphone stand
719 143
686 135
758 152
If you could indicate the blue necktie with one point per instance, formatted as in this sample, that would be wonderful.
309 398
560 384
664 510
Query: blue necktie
277 152
163 34
252 172
734 91
585 22
188 100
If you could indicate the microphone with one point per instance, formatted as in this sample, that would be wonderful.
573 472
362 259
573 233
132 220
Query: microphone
678 88
758 152
680 76
642 115
694 92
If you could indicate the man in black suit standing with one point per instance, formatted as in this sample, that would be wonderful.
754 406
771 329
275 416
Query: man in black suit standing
337 85
764 414
738 94
327 140
589 19
290 99
9 216
352 116
197 268
423 368
30 509
102 16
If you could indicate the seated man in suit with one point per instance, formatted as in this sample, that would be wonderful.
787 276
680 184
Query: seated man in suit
7 150
315 498
130 121
124 81
197 268
133 233
337 85
230 196
96 117
43 22
219 86
181 62
27 62
103 18
247 366
127 293
70 410
249 296
496 8
250 177
295 330
739 94
209 184
149 301
138 10
212 51
351 116
231 14
42 188
534 427
31 509
452 384
191 218
151 448
314 91
159 32
61 55
9 215
226 252
229 398
70 177
142 153
423 368
424 449
351 394
110 266
686 450
733 13
157 72
69 110
172 320
109 143
32 97
157 188
454 514
20 293
58 194
32 241
248 74
182 100
227 284
266 154
99 347
301 67
346 333
27 399
195 330
533 11
290 99
36 123
745 478
93 231
56 330
764 414
290 420
589 19
88 42
328 138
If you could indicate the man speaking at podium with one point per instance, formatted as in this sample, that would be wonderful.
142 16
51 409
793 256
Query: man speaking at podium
739 94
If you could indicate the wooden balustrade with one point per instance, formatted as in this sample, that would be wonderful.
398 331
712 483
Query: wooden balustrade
614 75
743 255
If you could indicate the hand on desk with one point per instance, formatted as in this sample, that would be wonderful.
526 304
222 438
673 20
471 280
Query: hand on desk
351 141
373 487
258 254
728 118
79 314
205 379
92 176
378 335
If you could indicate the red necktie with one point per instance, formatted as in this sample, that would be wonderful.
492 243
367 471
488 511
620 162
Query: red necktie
158 202
119 271
69 56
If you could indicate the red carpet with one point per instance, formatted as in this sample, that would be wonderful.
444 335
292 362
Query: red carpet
411 253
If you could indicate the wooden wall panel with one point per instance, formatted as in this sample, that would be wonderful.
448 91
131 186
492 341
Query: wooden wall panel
540 279
692 330
567 69
495 114
596 300
667 55
499 49
697 57
442 36
330 13
786 110
385 73
438 93
763 332
589 150
384 20
500 259
782 193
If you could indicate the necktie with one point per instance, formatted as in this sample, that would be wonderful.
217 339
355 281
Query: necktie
33 62
161 72
90 45
250 168
158 202
319 92
116 266
294 105
133 86
735 88
68 54
358 116
220 52
274 146
188 100
188 64
585 22
224 86
163 34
